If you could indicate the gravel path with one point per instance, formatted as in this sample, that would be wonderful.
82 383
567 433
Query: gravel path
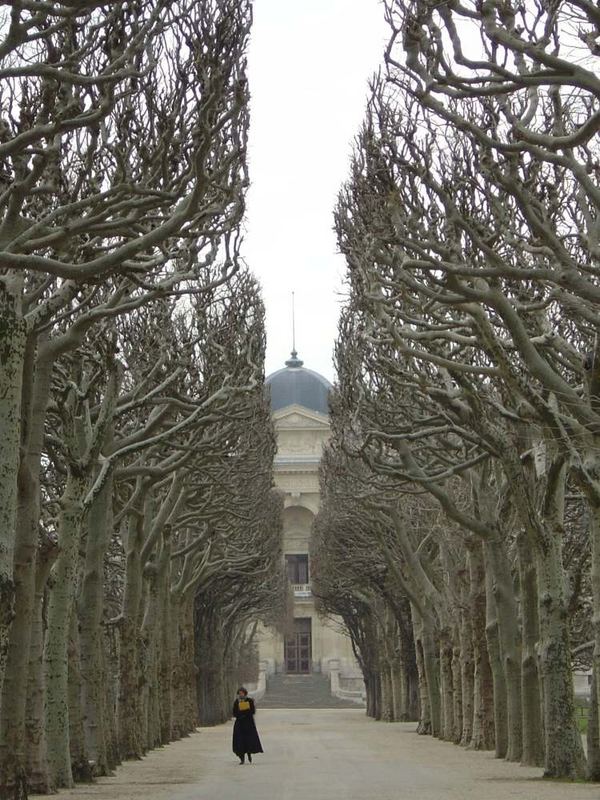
326 754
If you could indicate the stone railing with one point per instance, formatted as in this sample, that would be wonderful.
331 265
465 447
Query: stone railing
257 691
335 684
301 589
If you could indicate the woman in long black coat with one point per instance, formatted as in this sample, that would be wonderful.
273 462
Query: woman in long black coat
245 735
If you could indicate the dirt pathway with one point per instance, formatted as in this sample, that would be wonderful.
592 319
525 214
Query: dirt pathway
326 755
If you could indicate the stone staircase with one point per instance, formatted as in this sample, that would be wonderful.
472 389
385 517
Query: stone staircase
301 691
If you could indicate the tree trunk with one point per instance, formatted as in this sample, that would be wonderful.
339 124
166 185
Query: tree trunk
60 609
483 737
414 705
129 709
564 757
467 679
177 677
36 384
533 742
446 686
185 656
376 694
457 711
165 662
594 516
90 611
149 672
542 514
12 355
81 767
210 649
190 718
400 691
369 680
593 735
110 668
35 720
432 675
503 594
210 690
410 676
387 694
424 726
497 669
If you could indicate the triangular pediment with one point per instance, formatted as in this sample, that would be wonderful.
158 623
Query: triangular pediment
296 416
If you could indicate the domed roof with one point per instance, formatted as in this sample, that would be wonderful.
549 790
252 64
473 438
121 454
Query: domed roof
296 385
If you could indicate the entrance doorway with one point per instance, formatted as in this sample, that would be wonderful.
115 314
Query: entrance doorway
298 648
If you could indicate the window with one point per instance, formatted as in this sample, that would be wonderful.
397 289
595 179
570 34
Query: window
297 568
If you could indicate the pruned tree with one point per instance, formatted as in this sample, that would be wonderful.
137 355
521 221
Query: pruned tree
467 225
135 434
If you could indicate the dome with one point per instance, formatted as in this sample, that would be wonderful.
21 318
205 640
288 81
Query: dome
296 385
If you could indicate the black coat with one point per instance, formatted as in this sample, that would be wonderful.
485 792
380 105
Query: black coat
245 735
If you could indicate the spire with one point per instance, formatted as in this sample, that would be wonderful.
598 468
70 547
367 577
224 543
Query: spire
294 361
294 323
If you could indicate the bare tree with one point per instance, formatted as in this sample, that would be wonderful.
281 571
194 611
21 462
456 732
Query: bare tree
123 159
467 348
123 147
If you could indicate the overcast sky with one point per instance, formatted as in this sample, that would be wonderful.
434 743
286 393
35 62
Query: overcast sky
309 66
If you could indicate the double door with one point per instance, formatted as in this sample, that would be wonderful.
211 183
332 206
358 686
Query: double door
298 648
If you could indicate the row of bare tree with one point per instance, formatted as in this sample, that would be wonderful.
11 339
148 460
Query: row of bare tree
460 533
139 535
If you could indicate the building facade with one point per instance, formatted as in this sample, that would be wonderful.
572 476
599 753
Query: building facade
299 402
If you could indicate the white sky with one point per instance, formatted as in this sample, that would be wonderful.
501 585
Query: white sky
309 66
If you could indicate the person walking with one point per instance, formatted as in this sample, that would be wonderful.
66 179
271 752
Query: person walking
246 741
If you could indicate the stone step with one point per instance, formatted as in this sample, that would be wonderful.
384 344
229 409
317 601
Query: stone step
301 691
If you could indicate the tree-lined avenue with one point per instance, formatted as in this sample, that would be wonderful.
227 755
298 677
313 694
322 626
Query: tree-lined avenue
325 755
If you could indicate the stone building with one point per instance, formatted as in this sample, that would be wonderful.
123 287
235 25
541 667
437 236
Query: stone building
299 401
